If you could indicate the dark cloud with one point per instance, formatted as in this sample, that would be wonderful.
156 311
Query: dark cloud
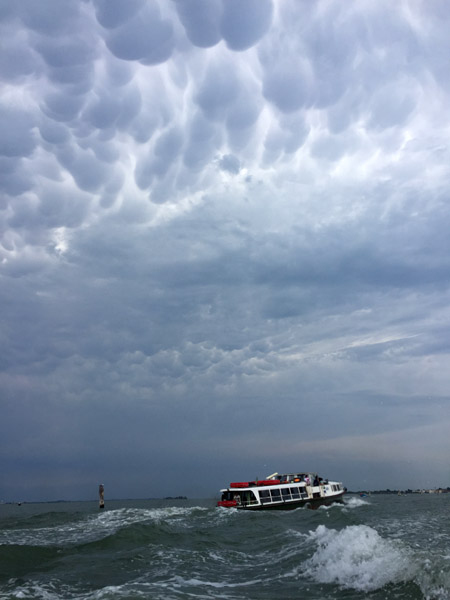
18 136
114 13
15 178
50 18
202 140
219 91
201 19
230 163
244 23
146 36
63 53
206 208
288 86
62 106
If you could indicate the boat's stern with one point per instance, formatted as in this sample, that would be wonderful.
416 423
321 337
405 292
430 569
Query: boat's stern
227 503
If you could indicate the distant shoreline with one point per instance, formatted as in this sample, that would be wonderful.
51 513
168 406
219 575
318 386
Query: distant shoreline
18 502
403 492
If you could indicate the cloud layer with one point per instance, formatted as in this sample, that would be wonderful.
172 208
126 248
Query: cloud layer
223 243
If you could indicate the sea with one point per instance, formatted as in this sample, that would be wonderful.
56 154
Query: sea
382 546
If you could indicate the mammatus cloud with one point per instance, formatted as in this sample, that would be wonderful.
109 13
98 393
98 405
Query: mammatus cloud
219 220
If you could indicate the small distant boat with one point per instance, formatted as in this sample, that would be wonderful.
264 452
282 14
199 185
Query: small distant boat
282 492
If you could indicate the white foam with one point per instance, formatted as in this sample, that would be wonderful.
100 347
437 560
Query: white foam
433 578
357 557
355 502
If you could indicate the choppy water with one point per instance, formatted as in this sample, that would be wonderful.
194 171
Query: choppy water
380 547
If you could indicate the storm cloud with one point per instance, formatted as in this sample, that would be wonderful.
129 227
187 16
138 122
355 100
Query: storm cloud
224 244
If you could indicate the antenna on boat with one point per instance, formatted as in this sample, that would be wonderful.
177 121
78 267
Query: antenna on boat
272 476
101 500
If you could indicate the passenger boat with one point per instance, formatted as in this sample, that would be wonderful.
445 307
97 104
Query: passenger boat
282 492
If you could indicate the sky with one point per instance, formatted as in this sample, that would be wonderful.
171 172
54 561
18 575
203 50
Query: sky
224 245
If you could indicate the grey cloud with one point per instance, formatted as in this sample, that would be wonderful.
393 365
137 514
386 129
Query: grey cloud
200 19
53 132
63 106
203 138
31 261
230 163
113 13
22 214
391 106
240 23
16 58
15 178
88 172
345 112
7 11
242 116
130 107
104 111
18 136
218 91
76 80
66 53
157 163
284 137
168 145
146 37
162 191
333 148
244 22
142 284
106 152
67 209
332 51
118 73
244 113
143 126
288 86
50 18
294 131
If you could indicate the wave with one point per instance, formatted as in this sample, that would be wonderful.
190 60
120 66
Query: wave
359 558
92 528
355 502
16 561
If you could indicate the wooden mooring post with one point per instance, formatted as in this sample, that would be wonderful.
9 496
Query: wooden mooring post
101 499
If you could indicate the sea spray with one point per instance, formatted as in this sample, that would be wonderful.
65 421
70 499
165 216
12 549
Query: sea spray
357 557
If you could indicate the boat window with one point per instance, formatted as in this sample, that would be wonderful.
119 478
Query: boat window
286 494
295 492
248 497
265 496
275 494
